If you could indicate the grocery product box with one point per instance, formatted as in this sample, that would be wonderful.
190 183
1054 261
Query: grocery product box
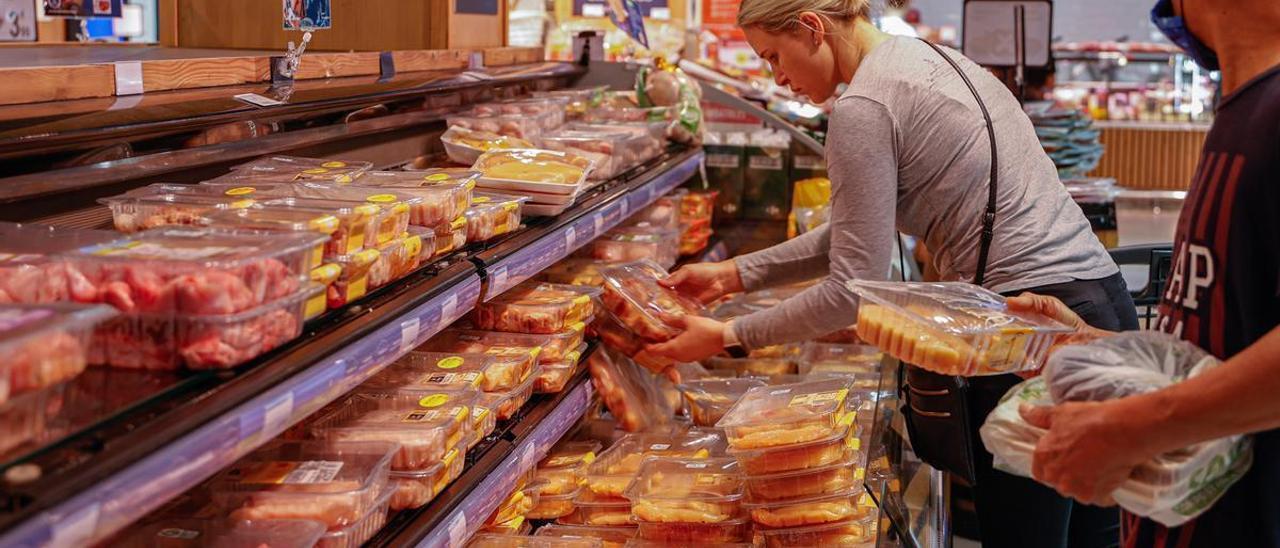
726 172
766 186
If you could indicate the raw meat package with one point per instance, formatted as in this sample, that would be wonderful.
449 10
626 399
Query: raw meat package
488 540
221 533
396 259
424 433
45 344
633 294
26 419
850 504
630 392
506 404
394 212
577 100
617 336
555 376
619 113
464 146
856 533
634 243
673 490
552 348
195 271
611 537
430 247
774 416
843 476
840 358
305 169
549 111
560 476
335 483
699 534
1171 488
32 269
698 206
693 239
283 220
520 126
647 140
753 367
662 213
533 170
353 220
492 215
414 489
537 308
615 469
643 543
487 372
443 197
840 446
952 328
575 271
450 237
606 151
132 214
591 509
368 525
353 279
708 400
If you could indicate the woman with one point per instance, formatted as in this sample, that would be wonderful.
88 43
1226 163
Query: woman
909 149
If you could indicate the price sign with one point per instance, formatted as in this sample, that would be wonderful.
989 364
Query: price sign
307 14
17 21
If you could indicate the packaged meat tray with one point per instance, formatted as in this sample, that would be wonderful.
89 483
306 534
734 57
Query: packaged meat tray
132 214
606 151
396 259
505 405
575 271
306 169
216 533
518 126
753 367
773 416
353 279
596 510
695 533
837 447
537 309
647 140
285 220
611 537
635 243
628 391
489 540
553 348
464 146
533 170
662 213
356 534
353 220
450 237
479 371
492 215
610 113
577 100
424 434
840 358
45 344
846 475
842 506
430 249
394 209
414 489
952 328
516 505
519 527
551 507
555 376
335 483
442 197
709 400
549 111
564 468
856 533
642 543
694 240
27 418
614 470
671 490
633 295
516 354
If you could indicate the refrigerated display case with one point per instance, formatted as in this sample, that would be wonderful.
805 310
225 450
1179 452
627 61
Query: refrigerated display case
141 439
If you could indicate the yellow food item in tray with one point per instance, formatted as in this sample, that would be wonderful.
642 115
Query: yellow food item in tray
682 511
534 166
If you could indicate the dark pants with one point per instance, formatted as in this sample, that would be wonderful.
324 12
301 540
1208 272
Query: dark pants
1017 512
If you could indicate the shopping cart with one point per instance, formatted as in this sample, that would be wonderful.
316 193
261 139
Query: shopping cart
1157 258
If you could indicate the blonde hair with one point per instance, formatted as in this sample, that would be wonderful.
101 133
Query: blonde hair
784 15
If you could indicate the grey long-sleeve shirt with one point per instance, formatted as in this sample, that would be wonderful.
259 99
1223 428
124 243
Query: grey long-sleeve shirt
907 149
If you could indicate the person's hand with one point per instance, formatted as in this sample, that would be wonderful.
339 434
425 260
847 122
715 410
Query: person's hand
705 282
1057 310
701 338
1090 448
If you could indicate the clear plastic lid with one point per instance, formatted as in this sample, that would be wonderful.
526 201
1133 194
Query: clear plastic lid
518 126
710 399
511 350
575 271
612 536
482 140
533 166
424 433
858 533
840 357
571 454
634 243
613 471
492 215
282 219
505 404
633 294
441 199
844 505
536 308
488 540
481 371
43 345
307 169
222 533
952 328
839 446
707 479
136 213
769 416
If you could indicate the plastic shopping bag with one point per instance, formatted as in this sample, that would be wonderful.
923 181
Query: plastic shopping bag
1172 488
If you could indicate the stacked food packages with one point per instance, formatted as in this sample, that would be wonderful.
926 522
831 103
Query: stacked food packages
635 397
550 180
510 516
638 242
696 209
560 476
638 310
561 312
602 501
684 501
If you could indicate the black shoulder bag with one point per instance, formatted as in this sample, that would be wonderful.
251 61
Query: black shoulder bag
937 406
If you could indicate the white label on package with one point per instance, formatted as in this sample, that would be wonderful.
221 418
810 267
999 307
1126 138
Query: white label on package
257 100
408 334
770 163
276 417
570 239
458 530
731 161
314 471
810 162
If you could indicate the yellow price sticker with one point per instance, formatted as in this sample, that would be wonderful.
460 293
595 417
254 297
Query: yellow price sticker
315 171
480 200
334 164
381 198
436 177
433 401
451 362
240 191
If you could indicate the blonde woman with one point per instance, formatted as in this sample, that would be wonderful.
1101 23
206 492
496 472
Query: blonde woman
928 143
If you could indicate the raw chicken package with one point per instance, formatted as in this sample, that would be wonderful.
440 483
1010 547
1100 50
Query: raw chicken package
506 404
335 483
549 111
634 243
414 489
45 344
662 213
222 533
519 126
1171 488
632 293
606 151
306 169
840 358
646 140
708 400
281 220
132 214
697 490
493 215
533 170
633 395
772 416
352 281
424 433
617 336
32 269
364 528
544 348
486 372
353 220
396 259
615 469
578 100
399 207
555 376
575 271
855 533
443 197
464 146
612 537
537 308
488 540
952 328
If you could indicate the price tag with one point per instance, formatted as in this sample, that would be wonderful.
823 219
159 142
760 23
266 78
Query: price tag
528 458
570 239
626 207
458 530
276 418
257 100
599 222
129 78
499 279
446 311
408 334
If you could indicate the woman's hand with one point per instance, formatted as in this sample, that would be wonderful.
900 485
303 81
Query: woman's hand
701 339
705 282
1057 310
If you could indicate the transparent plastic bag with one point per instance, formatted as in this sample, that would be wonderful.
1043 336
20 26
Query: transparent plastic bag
1171 488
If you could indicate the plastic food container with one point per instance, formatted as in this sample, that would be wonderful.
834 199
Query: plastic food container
353 220
628 391
773 416
693 240
355 535
424 434
25 418
518 526
492 215
554 348
952 328
859 360
506 404
609 113
436 369
135 213
533 170
634 243
700 533
336 483
516 505
633 295
303 221
537 308
555 376
464 146
611 537
646 140
414 489
709 400
190 532
841 506
575 271
353 281
553 506
395 206
859 533
668 490
45 344
564 468
443 196
614 470
306 169
698 206
490 540
753 367
396 259
838 447
515 354
606 151
599 510
520 126
843 476
450 237
662 213
549 111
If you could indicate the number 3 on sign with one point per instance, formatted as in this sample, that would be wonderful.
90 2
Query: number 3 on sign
16 21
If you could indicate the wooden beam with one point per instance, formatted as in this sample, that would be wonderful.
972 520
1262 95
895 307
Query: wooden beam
203 73
497 57
56 83
418 60
336 65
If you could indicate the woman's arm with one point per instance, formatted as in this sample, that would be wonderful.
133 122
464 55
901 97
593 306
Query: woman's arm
864 175
798 259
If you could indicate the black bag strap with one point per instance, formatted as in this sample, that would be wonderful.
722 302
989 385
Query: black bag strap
988 218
